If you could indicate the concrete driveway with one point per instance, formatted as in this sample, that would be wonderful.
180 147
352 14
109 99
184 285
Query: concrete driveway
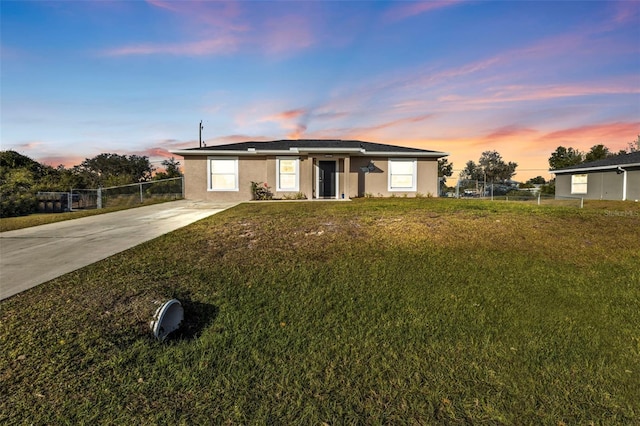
32 256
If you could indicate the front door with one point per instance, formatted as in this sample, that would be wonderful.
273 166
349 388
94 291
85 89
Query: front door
326 179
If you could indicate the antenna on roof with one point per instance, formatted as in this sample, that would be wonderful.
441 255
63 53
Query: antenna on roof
200 133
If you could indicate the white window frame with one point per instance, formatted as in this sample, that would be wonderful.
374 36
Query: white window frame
210 187
579 183
414 175
296 174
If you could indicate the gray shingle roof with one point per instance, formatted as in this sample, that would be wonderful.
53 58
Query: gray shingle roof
328 144
605 163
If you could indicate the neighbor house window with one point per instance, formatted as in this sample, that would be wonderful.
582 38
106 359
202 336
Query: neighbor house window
223 174
288 174
402 174
579 184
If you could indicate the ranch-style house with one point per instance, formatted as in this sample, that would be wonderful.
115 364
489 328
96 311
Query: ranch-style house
315 169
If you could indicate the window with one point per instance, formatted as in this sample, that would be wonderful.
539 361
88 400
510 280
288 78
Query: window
287 176
402 174
223 174
579 184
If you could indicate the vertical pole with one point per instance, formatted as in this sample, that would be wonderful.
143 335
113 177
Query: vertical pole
99 198
200 133
581 202
182 180
538 198
141 199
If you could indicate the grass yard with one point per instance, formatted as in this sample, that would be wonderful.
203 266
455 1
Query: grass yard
376 311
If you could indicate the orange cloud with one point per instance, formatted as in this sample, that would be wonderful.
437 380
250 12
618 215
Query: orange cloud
291 114
57 160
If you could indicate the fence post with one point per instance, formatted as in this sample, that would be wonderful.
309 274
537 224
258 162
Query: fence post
538 198
141 199
99 198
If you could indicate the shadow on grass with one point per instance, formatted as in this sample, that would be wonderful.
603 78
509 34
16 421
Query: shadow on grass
197 317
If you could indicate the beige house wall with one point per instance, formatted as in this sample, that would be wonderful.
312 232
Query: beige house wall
353 184
376 182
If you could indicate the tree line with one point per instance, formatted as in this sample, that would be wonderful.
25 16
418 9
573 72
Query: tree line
491 168
21 178
566 157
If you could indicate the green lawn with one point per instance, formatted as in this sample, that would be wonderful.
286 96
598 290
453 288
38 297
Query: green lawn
395 311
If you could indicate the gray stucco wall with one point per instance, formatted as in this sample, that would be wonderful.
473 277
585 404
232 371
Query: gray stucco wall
602 185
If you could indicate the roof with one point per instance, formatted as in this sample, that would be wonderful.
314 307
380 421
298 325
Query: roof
613 162
288 146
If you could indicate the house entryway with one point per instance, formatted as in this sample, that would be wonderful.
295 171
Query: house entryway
327 181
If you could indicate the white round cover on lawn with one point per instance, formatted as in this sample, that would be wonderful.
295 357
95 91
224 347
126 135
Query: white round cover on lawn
167 319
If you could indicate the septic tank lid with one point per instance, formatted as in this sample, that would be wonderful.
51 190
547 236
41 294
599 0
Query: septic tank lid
167 319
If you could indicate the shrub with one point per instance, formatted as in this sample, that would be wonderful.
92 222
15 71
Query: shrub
261 191
296 196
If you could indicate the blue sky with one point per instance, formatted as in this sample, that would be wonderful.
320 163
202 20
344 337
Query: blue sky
136 77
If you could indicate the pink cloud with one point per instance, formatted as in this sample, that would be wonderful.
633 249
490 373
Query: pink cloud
410 9
286 34
613 135
197 48
510 132
217 28
28 146
626 12
235 138
220 15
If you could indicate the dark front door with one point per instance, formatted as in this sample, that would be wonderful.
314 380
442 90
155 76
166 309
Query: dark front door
327 179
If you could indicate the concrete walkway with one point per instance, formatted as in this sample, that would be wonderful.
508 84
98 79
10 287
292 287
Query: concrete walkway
32 256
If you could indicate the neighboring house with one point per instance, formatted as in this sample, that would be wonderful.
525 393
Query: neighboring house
613 178
333 169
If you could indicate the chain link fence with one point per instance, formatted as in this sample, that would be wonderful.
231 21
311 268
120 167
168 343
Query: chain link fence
128 195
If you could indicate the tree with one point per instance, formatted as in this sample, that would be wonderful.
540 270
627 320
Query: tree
17 182
445 170
565 157
114 169
494 168
597 152
171 169
538 180
634 146
472 171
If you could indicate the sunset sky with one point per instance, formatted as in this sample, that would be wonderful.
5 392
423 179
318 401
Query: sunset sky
79 78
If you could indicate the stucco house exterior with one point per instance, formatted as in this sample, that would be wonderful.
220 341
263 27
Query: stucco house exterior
613 178
319 169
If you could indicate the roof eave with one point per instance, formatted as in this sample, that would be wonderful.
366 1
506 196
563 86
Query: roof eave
587 169
405 154
356 151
